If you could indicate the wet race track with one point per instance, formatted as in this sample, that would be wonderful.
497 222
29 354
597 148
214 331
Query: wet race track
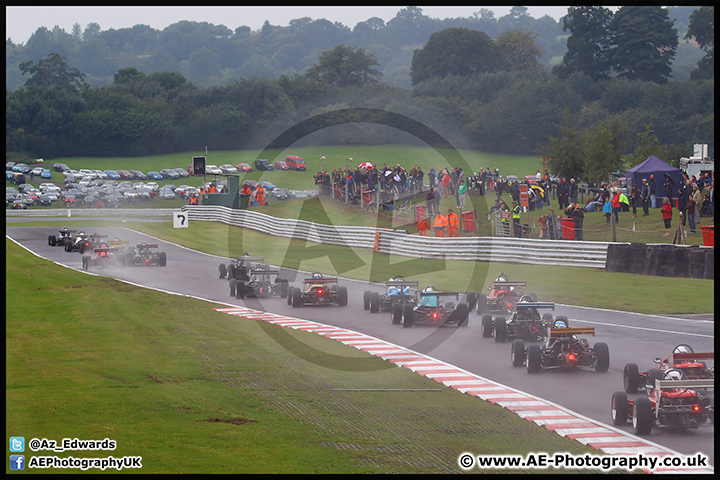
635 338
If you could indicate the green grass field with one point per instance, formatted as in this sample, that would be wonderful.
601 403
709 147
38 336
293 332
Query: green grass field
192 390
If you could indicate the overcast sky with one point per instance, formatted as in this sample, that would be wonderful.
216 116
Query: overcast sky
22 22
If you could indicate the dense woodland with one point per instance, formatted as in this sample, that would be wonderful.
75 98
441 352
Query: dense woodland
639 78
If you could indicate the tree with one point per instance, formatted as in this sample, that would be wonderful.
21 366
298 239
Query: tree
455 51
566 150
345 66
588 44
519 50
702 30
604 145
644 42
53 71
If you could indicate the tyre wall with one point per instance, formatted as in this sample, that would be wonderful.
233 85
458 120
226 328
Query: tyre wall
662 260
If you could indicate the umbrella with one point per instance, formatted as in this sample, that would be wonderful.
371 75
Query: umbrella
366 165
669 179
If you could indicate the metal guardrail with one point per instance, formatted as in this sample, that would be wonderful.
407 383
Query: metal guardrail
394 242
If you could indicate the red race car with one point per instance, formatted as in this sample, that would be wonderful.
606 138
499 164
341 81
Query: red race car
682 358
503 296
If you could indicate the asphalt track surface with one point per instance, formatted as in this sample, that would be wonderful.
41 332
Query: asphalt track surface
631 337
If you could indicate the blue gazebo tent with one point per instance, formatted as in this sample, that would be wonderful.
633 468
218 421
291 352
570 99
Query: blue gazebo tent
655 166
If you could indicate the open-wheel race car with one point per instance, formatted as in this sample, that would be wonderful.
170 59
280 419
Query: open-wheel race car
397 291
318 290
682 358
112 253
673 402
84 243
146 254
503 297
59 239
562 348
430 310
260 283
525 323
239 267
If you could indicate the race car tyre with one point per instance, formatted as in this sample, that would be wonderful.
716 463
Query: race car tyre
283 287
68 245
51 240
366 300
563 318
461 312
162 260
631 378
233 285
642 416
487 327
517 353
471 300
500 329
602 357
374 302
289 295
652 375
534 357
342 294
396 313
408 316
230 271
239 289
619 408
222 271
481 301
297 298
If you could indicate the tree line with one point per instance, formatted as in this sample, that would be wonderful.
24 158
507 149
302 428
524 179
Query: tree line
479 93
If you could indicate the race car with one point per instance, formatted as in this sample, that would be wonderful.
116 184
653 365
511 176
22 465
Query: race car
429 310
682 358
503 296
84 243
525 323
562 349
239 267
112 253
259 284
319 290
672 401
145 254
397 291
59 239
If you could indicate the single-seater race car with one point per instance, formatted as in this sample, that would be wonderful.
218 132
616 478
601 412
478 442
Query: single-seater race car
525 323
503 297
318 290
59 239
146 254
260 283
672 401
84 243
562 349
430 310
239 267
397 291
682 358
112 253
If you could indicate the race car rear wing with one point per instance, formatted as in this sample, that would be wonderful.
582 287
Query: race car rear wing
401 283
506 285
263 272
118 242
321 280
251 259
440 294
559 332
147 245
661 385
105 250
528 305
689 357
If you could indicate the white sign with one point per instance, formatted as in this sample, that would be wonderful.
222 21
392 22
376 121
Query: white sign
180 219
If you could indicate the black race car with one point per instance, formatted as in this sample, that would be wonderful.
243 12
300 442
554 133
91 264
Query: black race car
239 267
59 239
429 310
318 290
260 283
562 348
525 323
146 254
84 243
397 291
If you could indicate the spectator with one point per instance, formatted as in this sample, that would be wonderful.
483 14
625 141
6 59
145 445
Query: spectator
698 198
547 186
666 211
577 213
607 209
691 213
445 183
563 193
573 191
430 201
683 195
543 226
616 206
645 196
551 224
461 193
624 203
431 176
652 190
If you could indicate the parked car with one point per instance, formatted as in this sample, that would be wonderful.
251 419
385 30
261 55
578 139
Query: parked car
282 194
139 175
45 173
243 167
263 164
126 174
166 194
37 171
169 174
281 165
154 175
43 199
9 165
213 170
295 163
112 174
22 168
182 172
60 167
267 185
228 168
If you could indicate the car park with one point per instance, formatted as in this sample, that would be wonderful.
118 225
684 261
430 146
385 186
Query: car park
263 164
319 290
243 168
503 296
525 323
100 174
146 254
561 349
281 165
430 310
228 168
683 358
398 291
